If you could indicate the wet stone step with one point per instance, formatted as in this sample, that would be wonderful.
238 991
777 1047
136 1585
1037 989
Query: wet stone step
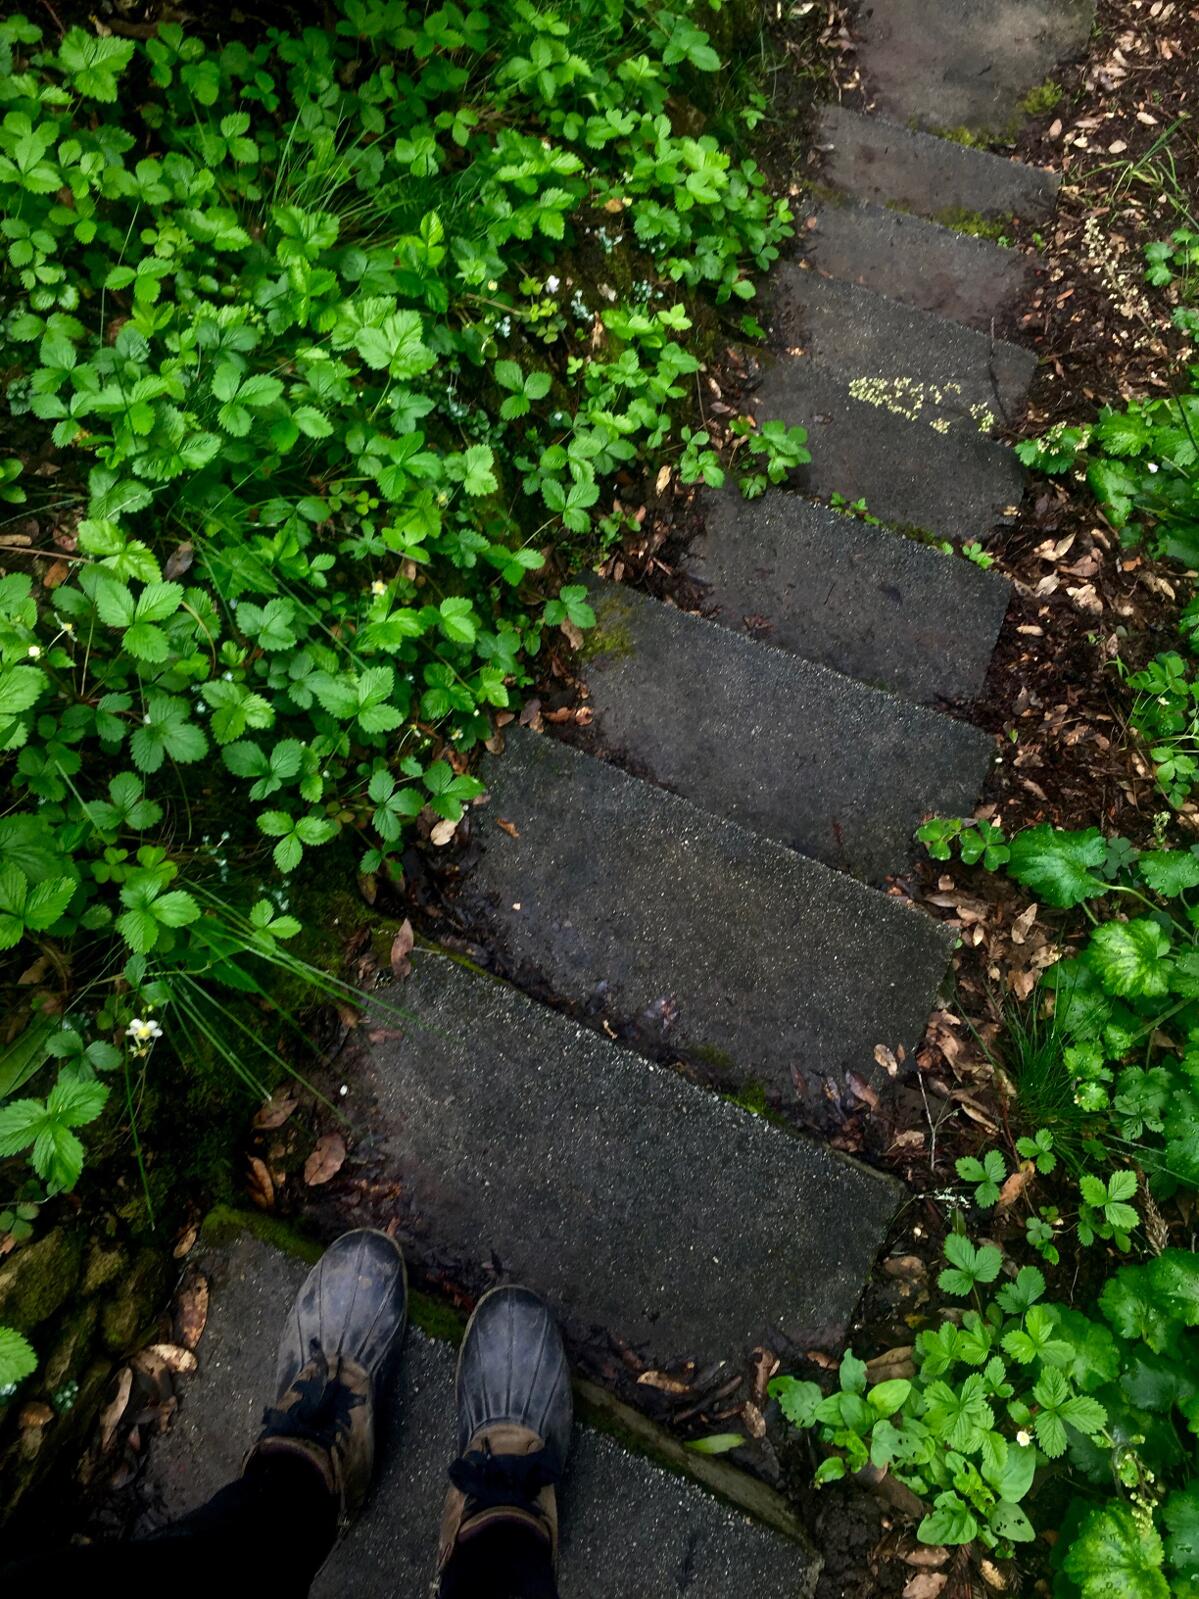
876 160
632 1199
919 263
819 762
863 600
628 1524
692 934
929 368
965 63
871 445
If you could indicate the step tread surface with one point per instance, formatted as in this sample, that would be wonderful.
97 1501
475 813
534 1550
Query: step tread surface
879 161
819 762
633 1199
965 63
721 947
628 1525
919 263
862 600
932 367
953 483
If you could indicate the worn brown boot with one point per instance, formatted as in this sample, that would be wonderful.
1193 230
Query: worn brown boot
347 1321
514 1420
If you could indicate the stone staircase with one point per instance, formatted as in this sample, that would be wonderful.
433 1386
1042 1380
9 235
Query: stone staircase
703 885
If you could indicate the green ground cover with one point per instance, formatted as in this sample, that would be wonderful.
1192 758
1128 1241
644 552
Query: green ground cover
326 357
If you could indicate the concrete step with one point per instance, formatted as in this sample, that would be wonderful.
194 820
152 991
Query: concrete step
629 1523
929 368
873 159
870 444
919 263
965 63
691 934
819 762
860 599
632 1199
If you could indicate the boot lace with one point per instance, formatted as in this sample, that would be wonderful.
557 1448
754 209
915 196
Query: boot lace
321 1413
490 1480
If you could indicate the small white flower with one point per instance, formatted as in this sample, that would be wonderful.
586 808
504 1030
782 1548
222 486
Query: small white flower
492 285
551 284
1024 1437
142 1030
35 651
1152 466
146 719
378 587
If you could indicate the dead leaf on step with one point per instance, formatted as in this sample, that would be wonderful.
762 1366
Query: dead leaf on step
276 1110
766 1363
508 827
326 1159
664 1381
401 948
573 633
926 1585
259 1184
886 1059
174 1356
191 1311
110 1416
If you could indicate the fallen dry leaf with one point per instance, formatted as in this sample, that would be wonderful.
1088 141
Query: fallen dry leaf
191 1311
187 1241
508 827
1016 1184
35 1414
886 1059
260 1185
897 1362
991 1575
110 1416
926 1557
664 1381
755 1421
174 1356
326 1159
926 1585
442 832
401 948
276 1110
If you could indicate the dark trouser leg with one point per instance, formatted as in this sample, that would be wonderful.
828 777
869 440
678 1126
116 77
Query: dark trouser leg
500 1563
264 1536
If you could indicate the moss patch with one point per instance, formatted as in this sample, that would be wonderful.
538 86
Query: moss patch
223 1224
975 224
1044 98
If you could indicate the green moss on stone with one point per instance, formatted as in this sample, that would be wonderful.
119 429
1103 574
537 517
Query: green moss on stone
975 224
1044 98
37 1279
224 1223
717 1060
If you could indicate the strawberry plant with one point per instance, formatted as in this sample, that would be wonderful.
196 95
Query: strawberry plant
319 331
